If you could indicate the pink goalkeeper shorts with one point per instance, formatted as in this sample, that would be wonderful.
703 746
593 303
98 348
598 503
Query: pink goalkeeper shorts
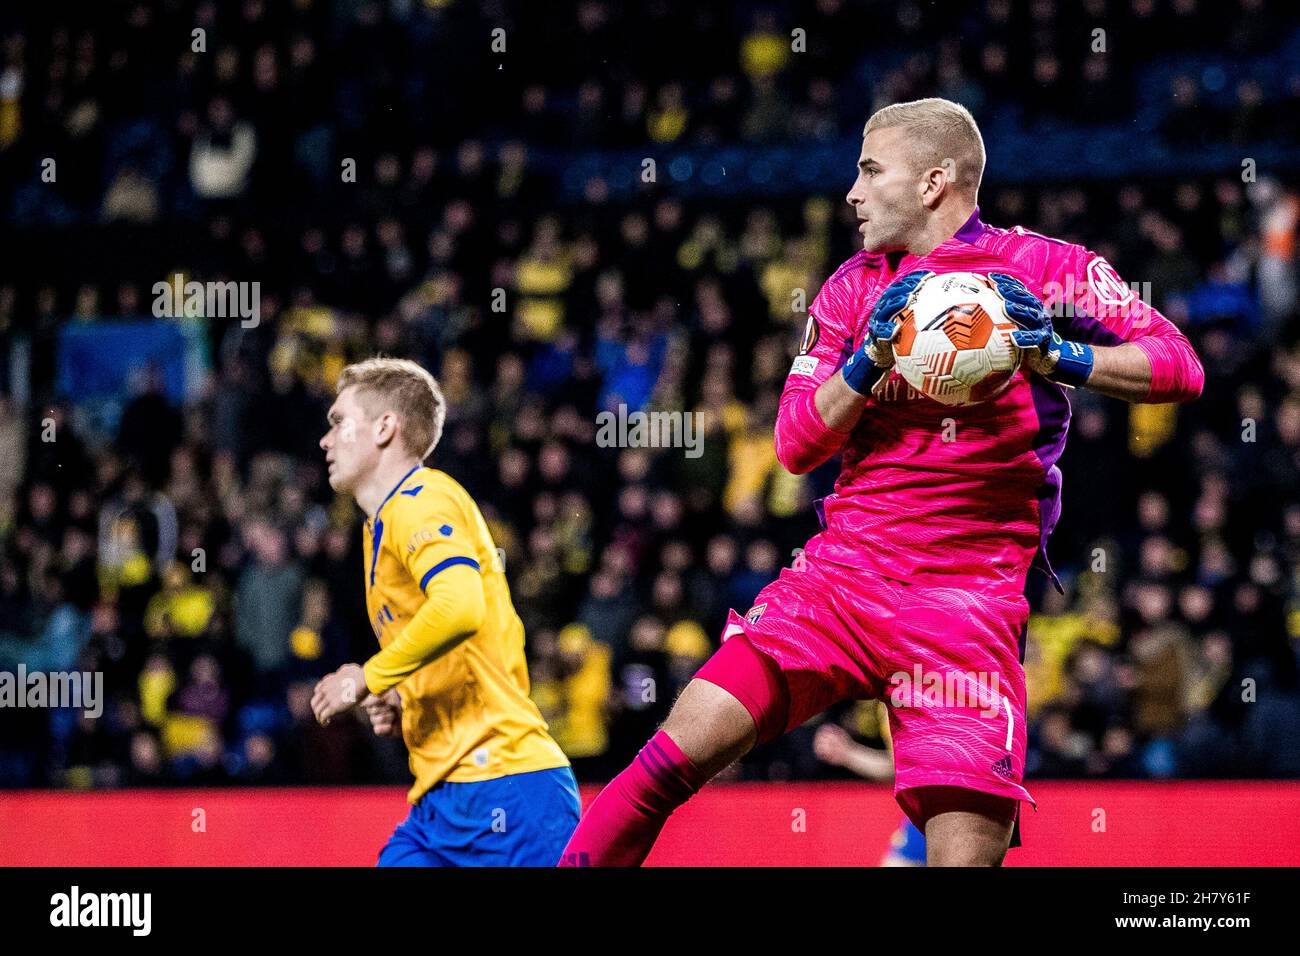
945 660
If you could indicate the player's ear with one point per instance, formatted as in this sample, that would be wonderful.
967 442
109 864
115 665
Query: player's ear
385 428
935 181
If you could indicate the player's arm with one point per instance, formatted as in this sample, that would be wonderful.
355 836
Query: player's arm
822 400
1111 342
812 425
430 534
839 406
832 744
1146 370
1121 371
454 608
842 397
1156 363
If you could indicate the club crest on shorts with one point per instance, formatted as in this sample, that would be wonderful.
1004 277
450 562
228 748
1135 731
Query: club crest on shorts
755 613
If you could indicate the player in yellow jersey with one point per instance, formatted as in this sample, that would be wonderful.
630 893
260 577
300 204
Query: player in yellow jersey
491 786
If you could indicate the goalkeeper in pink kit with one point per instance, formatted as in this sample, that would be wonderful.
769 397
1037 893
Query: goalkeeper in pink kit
913 592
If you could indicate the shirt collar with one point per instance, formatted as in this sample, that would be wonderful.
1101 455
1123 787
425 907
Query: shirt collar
375 517
972 228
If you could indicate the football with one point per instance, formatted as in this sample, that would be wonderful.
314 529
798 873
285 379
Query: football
954 340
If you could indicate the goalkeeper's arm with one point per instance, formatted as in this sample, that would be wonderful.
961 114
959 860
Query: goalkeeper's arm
813 423
1120 371
1155 364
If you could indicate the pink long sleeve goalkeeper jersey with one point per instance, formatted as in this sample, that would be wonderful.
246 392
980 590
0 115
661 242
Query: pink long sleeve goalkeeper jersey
964 495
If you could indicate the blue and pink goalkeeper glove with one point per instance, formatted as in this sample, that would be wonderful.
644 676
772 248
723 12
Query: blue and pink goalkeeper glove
1069 363
867 364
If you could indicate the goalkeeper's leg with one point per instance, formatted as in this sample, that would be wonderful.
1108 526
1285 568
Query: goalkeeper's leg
736 700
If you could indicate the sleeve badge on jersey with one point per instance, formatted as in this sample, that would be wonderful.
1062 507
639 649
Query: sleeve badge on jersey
421 536
756 613
811 333
804 365
1104 283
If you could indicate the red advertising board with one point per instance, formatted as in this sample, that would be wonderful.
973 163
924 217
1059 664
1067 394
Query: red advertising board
827 824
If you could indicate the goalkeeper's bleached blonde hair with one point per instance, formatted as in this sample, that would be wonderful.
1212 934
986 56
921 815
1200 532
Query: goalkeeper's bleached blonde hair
939 130
402 386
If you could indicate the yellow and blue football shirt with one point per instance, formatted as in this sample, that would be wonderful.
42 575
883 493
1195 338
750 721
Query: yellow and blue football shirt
466 715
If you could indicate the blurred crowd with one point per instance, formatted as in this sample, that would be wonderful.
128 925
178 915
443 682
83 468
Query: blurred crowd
191 551
177 107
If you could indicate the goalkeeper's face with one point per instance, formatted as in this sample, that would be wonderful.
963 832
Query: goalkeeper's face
351 451
887 195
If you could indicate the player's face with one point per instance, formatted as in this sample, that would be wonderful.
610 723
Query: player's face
349 453
886 195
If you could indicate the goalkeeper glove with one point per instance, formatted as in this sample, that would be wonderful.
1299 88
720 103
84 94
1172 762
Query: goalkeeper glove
865 365
1069 363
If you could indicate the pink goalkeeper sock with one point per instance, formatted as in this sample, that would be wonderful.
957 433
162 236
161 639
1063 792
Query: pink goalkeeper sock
623 822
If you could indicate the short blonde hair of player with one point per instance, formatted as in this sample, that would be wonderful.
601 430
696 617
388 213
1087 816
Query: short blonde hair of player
940 130
404 387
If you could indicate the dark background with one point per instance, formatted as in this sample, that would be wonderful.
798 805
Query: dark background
1172 151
